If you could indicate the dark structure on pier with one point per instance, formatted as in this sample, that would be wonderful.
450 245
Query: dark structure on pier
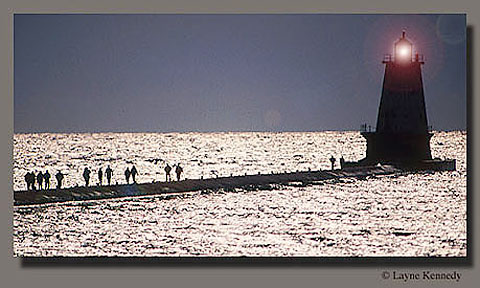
402 133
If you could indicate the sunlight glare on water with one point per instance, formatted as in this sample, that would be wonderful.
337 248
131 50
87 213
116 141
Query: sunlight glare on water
400 215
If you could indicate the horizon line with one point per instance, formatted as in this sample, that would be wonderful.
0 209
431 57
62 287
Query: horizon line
205 132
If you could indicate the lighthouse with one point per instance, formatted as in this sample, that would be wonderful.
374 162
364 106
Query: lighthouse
402 127
402 135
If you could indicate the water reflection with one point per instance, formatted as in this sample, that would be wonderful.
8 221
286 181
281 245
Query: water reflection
406 215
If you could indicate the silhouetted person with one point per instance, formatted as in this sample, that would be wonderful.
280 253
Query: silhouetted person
40 180
32 180
100 176
86 176
167 172
127 175
134 172
109 173
342 162
28 180
179 171
59 177
46 177
332 160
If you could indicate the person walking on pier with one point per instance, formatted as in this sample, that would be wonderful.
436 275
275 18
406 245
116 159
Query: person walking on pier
342 162
134 173
40 180
127 175
167 173
332 160
109 173
28 180
179 171
46 177
32 180
100 176
86 176
59 177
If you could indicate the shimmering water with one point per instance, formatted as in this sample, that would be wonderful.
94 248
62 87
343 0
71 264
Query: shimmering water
402 215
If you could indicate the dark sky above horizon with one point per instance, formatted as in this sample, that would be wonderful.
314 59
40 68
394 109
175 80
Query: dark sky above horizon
163 73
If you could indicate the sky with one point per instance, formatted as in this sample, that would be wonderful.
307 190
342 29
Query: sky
209 73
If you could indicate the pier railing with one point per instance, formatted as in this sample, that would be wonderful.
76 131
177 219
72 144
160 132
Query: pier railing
416 58
366 128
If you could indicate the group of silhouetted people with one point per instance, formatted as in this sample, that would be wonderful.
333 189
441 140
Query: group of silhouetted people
108 173
178 171
43 179
342 162
131 172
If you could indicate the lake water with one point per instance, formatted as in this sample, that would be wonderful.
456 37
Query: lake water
400 215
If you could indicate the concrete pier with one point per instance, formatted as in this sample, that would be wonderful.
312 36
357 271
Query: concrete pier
260 181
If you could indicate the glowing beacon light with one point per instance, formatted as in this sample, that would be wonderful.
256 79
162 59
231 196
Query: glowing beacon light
403 50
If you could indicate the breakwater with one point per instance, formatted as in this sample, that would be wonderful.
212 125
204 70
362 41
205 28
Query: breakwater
259 181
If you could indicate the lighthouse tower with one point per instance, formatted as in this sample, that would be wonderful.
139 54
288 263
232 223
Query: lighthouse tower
402 134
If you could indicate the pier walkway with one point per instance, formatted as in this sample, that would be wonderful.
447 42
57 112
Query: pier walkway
260 181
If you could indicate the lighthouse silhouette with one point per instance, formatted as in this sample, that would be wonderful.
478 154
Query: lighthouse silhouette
402 133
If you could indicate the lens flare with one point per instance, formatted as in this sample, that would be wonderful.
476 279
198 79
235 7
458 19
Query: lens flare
403 51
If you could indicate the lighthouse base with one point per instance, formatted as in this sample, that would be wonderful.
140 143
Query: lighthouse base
402 150
397 147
